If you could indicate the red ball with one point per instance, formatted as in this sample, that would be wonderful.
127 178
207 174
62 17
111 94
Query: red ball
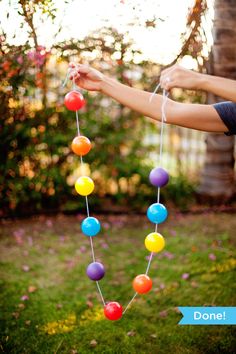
142 284
74 101
113 311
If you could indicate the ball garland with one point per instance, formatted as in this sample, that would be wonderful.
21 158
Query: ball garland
90 226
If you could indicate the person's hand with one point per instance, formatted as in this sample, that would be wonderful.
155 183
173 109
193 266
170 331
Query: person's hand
86 77
177 76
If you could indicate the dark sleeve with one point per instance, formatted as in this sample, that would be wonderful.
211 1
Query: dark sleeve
227 112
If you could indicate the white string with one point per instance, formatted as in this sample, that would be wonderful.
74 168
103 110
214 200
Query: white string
70 70
66 79
163 115
149 263
158 195
153 94
77 122
100 292
163 119
74 85
127 306
86 197
87 206
92 249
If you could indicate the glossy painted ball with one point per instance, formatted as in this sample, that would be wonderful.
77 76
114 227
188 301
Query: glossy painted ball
90 226
154 242
95 271
158 177
142 284
84 185
74 100
81 145
113 311
157 213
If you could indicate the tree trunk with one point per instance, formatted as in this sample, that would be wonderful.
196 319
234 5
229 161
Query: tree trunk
217 180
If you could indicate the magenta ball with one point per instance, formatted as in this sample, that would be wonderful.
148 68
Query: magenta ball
95 271
158 177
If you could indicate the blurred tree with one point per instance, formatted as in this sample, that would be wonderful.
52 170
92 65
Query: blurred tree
218 173
27 10
217 178
37 167
37 164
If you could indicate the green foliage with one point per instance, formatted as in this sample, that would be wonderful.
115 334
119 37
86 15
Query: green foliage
36 130
37 167
180 191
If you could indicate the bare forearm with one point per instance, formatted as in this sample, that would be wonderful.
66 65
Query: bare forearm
200 117
219 86
135 99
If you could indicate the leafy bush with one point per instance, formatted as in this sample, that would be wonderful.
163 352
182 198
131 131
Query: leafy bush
37 167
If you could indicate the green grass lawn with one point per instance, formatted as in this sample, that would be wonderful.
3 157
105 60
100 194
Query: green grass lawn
48 305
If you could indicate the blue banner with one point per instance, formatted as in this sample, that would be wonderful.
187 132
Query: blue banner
208 315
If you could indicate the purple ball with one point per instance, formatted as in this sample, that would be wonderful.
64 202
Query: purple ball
95 271
158 177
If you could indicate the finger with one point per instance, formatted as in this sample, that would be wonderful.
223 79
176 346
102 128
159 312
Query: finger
164 81
77 81
83 69
74 76
166 71
169 70
170 85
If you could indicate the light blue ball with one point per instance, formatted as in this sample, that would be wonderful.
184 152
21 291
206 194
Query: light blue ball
90 226
157 213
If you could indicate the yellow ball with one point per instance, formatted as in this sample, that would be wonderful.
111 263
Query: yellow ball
154 242
84 185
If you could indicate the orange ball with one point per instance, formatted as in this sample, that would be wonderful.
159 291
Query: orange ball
142 284
81 145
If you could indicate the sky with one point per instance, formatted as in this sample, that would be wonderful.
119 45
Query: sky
79 17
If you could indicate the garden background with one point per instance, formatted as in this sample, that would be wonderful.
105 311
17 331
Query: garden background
54 309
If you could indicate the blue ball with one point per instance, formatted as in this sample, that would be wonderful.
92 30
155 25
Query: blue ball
90 226
157 213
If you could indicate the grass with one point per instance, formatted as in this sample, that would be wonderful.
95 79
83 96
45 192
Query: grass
48 305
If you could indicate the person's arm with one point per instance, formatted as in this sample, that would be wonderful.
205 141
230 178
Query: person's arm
177 76
195 116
